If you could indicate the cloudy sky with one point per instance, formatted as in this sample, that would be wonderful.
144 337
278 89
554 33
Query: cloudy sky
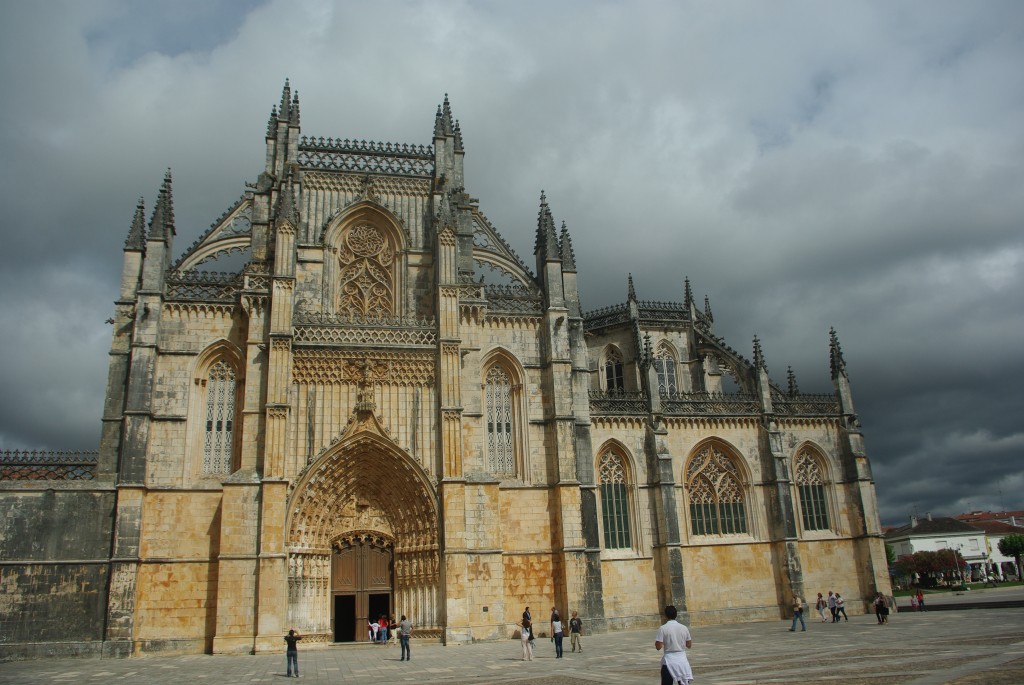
806 164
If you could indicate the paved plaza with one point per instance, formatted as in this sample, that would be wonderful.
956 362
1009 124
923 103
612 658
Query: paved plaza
962 647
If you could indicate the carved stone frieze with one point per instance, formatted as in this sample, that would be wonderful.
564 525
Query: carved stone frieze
198 310
356 366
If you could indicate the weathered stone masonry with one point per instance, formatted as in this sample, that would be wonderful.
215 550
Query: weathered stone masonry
383 409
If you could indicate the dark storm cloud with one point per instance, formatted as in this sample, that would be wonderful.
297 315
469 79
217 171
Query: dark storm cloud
807 165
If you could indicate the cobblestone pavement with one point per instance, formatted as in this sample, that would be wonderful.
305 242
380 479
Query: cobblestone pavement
959 647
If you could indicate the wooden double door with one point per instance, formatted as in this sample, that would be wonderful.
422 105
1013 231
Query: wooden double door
362 572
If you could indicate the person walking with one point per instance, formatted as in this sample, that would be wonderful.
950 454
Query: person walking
832 606
880 608
404 633
292 652
526 637
841 608
798 614
576 632
821 605
556 632
675 639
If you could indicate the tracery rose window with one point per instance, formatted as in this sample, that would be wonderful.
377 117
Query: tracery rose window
367 283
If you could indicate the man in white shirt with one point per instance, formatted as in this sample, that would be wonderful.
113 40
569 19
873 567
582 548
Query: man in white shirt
675 638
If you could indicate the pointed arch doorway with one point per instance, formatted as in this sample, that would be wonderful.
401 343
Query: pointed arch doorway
362 582
363 538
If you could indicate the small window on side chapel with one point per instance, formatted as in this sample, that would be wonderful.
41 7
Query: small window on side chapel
811 488
613 370
218 442
715 491
665 365
500 439
614 501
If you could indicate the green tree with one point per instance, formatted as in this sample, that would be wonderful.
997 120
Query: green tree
890 555
1013 546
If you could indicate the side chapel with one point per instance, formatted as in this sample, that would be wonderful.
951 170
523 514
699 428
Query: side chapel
385 410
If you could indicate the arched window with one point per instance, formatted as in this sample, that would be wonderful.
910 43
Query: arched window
614 500
366 262
218 441
613 370
810 483
715 489
665 365
500 414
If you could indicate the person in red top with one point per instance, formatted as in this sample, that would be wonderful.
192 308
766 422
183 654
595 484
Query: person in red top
382 630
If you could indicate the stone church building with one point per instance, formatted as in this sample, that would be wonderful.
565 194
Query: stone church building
385 410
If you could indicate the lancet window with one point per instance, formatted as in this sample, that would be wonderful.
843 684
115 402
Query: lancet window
715 490
614 500
218 441
613 370
499 401
366 262
665 365
810 483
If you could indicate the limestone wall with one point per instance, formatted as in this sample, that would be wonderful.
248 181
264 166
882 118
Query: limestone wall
53 570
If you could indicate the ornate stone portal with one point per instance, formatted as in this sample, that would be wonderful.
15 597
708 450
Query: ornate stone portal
363 536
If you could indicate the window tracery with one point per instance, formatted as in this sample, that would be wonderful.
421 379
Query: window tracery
366 273
715 489
614 500
665 365
218 442
613 370
500 426
810 483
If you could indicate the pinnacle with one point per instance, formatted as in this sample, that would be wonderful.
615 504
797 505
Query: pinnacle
759 362
568 256
632 291
547 241
835 354
137 233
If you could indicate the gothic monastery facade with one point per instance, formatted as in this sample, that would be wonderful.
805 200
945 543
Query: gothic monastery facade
387 411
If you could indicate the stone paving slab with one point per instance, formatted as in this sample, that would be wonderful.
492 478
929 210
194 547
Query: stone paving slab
962 647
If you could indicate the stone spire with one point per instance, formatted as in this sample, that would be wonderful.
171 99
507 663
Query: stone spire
835 354
284 111
137 233
438 123
687 293
458 137
293 111
546 246
793 389
631 293
443 124
759 355
272 123
707 310
161 226
568 256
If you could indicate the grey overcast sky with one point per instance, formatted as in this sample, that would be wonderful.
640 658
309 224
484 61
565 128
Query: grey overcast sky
806 164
